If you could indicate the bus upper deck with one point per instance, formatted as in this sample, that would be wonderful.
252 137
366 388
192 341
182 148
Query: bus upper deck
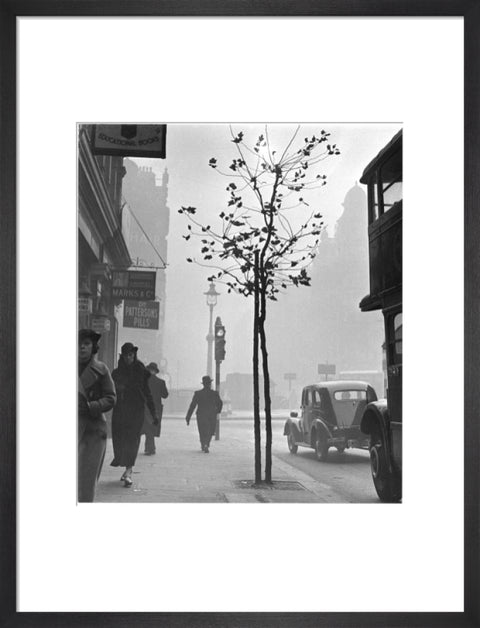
383 176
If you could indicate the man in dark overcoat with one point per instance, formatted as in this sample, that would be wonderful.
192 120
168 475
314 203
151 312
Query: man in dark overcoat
208 405
159 391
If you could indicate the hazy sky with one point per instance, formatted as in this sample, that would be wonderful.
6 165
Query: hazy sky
193 182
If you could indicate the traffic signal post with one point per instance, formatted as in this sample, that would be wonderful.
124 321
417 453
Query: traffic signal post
219 357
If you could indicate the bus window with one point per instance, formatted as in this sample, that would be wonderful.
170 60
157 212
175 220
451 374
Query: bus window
397 334
395 343
391 178
373 198
385 186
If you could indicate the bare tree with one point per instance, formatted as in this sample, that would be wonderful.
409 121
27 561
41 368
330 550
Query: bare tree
266 237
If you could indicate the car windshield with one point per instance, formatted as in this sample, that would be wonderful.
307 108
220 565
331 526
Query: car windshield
349 406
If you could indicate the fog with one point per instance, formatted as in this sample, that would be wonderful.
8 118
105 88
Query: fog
295 322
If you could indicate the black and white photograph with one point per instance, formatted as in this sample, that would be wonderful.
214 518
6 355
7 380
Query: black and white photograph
240 295
208 420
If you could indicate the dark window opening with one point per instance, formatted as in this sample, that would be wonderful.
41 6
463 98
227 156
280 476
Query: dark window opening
385 186
395 338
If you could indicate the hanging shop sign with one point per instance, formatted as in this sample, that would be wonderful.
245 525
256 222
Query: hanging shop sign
84 305
100 324
130 140
141 314
326 369
134 284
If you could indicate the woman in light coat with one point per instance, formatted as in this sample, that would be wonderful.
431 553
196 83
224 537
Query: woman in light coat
96 395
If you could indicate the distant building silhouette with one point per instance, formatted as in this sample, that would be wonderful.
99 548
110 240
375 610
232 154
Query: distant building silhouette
238 388
353 340
323 323
148 201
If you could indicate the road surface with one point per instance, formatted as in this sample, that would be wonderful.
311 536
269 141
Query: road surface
347 475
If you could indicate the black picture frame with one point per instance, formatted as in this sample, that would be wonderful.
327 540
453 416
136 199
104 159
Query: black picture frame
9 11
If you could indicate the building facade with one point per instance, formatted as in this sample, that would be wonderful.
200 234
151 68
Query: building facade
146 226
101 244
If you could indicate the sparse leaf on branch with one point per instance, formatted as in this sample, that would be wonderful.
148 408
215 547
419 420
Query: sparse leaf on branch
238 139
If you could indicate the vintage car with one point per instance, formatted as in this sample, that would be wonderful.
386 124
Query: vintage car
330 416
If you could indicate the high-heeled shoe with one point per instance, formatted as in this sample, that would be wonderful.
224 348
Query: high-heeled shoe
128 481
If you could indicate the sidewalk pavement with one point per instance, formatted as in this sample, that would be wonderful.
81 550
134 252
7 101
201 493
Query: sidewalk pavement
181 473
277 415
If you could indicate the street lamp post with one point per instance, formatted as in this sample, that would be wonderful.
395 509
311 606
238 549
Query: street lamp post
211 295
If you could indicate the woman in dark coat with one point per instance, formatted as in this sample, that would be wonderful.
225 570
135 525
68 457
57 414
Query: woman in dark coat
96 395
133 393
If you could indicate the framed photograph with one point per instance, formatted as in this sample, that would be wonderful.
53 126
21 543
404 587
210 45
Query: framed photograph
80 85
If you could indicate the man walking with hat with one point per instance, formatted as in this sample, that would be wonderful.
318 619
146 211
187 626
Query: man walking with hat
159 392
208 405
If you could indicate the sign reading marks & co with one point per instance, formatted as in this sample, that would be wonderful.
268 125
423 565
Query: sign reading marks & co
134 284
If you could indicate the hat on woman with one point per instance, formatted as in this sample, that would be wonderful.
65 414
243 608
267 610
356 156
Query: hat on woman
128 347
153 367
89 333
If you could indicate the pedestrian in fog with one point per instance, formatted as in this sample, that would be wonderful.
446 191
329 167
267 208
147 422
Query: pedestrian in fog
96 395
133 393
208 405
159 391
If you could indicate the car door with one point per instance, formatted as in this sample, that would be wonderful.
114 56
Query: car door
307 414
316 405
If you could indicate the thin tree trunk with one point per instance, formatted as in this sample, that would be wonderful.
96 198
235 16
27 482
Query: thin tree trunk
269 224
256 386
266 387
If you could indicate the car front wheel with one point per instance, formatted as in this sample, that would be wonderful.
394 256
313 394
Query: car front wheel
321 448
387 484
292 446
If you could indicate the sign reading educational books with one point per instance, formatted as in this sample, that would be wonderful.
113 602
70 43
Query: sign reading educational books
134 284
141 314
134 140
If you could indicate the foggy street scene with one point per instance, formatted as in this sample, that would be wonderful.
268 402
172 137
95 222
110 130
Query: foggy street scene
240 313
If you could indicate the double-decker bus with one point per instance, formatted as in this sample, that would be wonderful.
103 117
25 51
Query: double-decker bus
382 419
